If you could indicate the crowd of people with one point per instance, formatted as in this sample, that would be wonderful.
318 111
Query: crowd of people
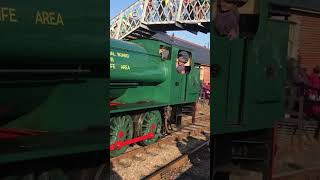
311 85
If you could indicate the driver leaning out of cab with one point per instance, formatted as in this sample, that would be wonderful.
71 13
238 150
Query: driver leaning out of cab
181 62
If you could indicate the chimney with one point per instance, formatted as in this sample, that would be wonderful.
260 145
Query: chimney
172 37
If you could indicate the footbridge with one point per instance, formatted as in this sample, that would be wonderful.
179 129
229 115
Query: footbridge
144 18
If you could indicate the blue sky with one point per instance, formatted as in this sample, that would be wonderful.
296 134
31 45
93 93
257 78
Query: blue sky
202 39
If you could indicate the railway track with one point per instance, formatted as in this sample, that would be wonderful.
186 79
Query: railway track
289 131
140 162
175 164
297 153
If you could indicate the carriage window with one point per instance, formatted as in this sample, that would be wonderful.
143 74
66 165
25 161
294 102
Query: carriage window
183 62
165 52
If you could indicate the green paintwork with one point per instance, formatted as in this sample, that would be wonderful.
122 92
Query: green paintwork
132 66
136 106
59 106
55 110
50 37
120 124
65 106
245 97
175 88
33 28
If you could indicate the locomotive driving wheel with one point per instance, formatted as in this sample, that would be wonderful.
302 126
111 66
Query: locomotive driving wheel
121 129
150 121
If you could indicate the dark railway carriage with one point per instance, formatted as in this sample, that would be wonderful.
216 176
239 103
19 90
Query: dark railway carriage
248 95
249 76
148 90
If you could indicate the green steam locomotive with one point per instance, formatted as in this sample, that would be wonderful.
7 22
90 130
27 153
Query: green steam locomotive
152 84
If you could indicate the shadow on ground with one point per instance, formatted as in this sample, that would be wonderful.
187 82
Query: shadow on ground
112 174
199 165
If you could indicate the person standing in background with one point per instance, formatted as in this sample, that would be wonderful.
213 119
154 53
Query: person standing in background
161 7
171 8
198 9
188 7
149 9
314 110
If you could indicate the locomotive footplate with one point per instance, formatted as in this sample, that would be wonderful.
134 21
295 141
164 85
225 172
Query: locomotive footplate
135 106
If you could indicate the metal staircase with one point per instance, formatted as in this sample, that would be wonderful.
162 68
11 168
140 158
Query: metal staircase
145 17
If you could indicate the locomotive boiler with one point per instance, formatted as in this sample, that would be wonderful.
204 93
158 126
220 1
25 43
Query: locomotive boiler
132 66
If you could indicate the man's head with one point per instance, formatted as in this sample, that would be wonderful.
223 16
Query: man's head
180 63
182 58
